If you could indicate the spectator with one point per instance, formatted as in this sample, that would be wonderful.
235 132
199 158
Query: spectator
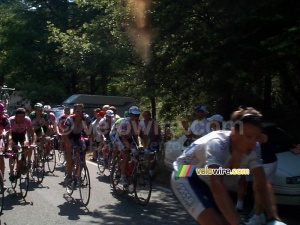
114 109
199 126
215 122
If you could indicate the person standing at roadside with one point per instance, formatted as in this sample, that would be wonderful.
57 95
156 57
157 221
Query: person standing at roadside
152 132
199 126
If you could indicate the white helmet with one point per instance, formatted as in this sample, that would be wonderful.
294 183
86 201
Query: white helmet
134 110
47 107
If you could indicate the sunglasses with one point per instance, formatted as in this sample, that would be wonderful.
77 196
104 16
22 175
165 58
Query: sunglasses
39 108
80 111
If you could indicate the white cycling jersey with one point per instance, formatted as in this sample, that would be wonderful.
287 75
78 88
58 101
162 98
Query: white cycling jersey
214 149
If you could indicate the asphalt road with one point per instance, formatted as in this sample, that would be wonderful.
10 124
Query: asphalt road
48 204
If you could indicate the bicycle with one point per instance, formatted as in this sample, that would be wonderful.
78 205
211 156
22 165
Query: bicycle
61 157
80 176
137 175
2 190
50 158
38 165
21 171
104 157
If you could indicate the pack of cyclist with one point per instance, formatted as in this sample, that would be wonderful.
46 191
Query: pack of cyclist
205 198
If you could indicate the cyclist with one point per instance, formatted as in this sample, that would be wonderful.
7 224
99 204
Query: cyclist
205 197
152 130
75 128
105 125
52 120
20 126
129 131
40 124
60 125
117 144
99 114
4 126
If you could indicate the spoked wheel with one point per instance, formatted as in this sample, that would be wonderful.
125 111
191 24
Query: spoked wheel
24 181
1 193
84 185
39 167
70 186
14 181
101 164
51 160
142 185
61 157
116 176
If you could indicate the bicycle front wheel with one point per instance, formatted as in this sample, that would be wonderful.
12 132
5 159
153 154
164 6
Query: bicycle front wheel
51 160
39 167
1 193
13 174
84 185
24 181
115 175
142 185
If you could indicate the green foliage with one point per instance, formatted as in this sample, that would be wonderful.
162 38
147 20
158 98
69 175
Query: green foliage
219 53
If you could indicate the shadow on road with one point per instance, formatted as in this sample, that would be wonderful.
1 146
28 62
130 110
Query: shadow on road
72 208
127 211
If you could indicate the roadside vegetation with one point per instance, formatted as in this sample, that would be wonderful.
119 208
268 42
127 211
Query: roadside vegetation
169 55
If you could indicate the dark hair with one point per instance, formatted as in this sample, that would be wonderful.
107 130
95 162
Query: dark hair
20 111
246 115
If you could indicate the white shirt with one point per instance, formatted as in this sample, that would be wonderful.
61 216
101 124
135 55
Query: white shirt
214 149
199 127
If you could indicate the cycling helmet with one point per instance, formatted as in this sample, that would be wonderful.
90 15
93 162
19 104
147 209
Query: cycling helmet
38 106
126 114
1 108
134 110
47 108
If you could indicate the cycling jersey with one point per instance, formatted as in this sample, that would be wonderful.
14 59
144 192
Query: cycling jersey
42 122
52 118
212 149
4 123
61 121
105 127
20 128
74 130
129 129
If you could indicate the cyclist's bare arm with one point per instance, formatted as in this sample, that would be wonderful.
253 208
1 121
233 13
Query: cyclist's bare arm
264 190
222 198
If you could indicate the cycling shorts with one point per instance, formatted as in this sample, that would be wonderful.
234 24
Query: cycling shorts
193 193
18 137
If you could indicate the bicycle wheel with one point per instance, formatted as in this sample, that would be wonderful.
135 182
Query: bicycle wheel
1 193
70 186
39 167
116 176
61 157
51 160
142 185
101 164
84 185
24 181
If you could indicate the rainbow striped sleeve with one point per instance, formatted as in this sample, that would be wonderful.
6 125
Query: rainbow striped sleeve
185 171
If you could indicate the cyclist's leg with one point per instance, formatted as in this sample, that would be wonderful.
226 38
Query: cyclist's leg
68 140
125 155
196 197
